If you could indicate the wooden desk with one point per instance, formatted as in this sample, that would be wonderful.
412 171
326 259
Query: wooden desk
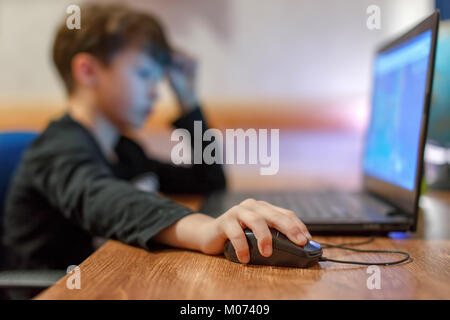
118 271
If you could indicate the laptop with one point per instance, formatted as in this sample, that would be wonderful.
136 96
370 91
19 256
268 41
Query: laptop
393 150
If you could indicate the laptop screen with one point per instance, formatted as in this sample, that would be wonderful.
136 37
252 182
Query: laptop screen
398 99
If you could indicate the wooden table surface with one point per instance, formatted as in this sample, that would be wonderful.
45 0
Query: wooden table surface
119 271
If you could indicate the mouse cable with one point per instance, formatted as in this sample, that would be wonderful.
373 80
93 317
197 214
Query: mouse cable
343 246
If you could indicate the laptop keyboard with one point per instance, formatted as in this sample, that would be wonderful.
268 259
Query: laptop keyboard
330 206
316 205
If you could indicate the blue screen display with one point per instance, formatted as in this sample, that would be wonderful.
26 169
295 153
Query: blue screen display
393 135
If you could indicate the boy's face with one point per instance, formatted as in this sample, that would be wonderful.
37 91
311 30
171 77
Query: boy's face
127 87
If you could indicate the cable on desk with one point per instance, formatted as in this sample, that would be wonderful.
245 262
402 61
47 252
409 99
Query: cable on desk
343 246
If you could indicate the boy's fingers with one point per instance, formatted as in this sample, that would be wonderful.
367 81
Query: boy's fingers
283 222
257 223
184 61
294 218
237 237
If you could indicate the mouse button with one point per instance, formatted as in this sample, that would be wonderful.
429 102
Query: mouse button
280 235
282 243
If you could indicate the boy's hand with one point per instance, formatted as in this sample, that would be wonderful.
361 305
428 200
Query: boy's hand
257 216
182 75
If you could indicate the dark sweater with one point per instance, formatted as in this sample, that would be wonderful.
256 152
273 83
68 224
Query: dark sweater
65 192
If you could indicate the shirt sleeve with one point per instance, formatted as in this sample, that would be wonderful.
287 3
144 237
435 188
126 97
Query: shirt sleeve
77 182
198 178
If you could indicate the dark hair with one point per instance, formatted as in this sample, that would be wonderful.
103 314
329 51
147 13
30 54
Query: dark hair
105 30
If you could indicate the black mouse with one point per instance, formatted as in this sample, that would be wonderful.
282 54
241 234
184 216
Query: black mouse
285 253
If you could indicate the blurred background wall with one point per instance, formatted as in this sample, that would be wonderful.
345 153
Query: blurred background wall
293 63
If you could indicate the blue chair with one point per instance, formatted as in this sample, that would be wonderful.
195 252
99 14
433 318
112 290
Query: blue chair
12 146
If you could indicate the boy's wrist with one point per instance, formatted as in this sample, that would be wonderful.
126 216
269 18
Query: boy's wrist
198 229
190 232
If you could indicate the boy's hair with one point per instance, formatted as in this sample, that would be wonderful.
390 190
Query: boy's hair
105 30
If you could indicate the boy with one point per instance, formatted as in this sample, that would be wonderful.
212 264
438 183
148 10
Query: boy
76 180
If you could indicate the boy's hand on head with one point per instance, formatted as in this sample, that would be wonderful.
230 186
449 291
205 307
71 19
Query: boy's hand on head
182 76
257 216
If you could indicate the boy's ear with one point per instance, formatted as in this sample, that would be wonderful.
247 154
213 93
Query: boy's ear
85 70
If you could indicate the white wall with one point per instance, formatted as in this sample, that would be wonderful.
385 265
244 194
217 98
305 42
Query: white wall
248 49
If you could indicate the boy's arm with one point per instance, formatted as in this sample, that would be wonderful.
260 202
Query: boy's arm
85 191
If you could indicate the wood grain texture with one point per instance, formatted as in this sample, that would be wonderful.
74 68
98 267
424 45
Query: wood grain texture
119 271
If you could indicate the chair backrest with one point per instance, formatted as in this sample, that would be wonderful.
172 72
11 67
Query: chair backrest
12 145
